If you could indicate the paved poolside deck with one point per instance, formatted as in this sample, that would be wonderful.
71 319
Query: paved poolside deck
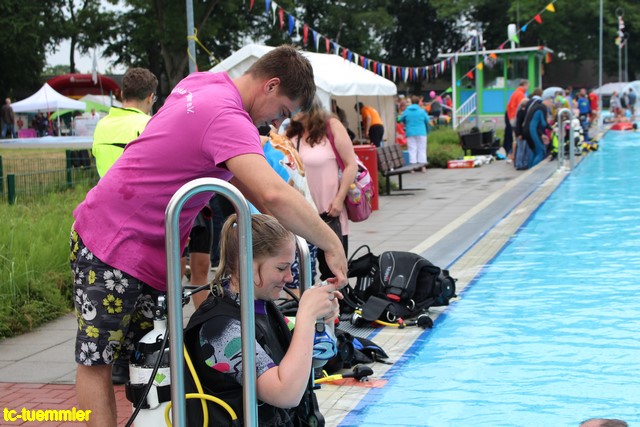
461 220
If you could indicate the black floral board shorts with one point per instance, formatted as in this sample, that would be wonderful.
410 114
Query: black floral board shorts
114 310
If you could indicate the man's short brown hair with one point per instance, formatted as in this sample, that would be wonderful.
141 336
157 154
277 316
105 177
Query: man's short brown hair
138 83
293 70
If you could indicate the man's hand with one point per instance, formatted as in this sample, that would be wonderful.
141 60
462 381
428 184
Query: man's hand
337 263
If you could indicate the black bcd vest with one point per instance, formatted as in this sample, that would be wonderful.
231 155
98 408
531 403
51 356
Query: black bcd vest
274 336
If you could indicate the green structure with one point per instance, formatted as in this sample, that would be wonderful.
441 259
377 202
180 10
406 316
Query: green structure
497 78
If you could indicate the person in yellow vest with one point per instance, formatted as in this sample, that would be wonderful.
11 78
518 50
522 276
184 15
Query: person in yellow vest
372 126
123 125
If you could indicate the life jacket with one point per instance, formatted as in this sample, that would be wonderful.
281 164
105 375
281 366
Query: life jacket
274 336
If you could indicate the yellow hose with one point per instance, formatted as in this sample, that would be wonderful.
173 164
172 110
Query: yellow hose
380 322
196 380
200 395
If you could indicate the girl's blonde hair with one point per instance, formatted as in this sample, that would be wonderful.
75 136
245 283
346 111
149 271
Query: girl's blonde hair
268 238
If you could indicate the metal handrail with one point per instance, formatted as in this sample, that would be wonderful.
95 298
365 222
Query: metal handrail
561 138
466 109
174 291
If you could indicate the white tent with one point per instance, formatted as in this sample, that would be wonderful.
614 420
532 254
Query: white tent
608 88
335 78
47 100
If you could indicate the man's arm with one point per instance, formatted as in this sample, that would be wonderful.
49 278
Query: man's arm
272 195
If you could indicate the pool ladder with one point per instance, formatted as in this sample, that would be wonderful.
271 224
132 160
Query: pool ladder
247 313
561 137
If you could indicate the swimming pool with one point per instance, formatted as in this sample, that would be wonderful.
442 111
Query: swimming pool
547 334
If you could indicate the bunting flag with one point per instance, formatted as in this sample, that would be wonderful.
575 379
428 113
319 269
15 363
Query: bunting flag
449 90
389 71
274 7
291 24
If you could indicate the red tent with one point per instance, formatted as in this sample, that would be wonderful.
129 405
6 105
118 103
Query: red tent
78 85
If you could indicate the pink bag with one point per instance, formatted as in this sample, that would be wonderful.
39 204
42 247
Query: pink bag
358 200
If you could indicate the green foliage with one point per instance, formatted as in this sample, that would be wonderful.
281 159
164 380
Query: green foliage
153 34
357 24
572 31
35 278
408 44
443 145
23 38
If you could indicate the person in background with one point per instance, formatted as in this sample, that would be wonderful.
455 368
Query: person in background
342 116
283 359
615 106
124 124
584 112
371 123
436 106
631 102
416 123
309 132
510 116
7 119
535 126
593 102
205 129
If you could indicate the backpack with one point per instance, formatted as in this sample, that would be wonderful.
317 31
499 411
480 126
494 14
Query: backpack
395 285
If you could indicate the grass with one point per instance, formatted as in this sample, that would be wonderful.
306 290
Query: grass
35 278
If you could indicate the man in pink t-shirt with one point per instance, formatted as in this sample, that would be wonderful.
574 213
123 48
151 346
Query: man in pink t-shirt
206 128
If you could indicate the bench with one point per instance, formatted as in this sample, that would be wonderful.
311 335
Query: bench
391 163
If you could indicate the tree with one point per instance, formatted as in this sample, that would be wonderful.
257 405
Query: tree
572 31
357 25
418 35
152 34
83 23
23 38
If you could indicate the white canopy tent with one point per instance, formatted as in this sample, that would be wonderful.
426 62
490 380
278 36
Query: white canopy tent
335 78
47 100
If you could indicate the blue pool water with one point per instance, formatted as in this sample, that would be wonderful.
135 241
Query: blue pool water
549 333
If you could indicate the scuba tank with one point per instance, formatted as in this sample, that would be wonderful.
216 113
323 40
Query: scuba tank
151 350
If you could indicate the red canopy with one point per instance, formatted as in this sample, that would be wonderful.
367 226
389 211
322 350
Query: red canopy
78 85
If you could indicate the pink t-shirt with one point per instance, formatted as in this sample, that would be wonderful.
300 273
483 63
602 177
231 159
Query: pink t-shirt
322 176
201 125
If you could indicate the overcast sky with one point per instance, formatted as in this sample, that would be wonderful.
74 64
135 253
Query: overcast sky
83 62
